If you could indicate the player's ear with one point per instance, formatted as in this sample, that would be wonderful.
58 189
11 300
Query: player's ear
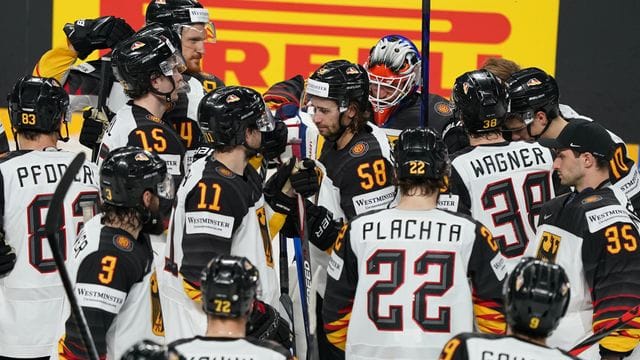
147 198
541 117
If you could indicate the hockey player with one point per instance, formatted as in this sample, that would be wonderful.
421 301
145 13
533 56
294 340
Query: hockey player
353 158
402 281
592 234
502 184
149 68
394 68
535 113
31 292
112 257
220 209
228 286
536 296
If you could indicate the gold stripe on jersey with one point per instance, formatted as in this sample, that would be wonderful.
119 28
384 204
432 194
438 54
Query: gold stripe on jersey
157 322
276 222
55 63
192 291
320 144
337 331
621 340
489 320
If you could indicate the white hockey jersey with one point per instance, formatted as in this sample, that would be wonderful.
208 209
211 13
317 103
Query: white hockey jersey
210 348
503 186
31 295
405 281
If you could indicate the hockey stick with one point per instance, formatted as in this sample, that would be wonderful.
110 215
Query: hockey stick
303 264
285 299
52 224
426 30
605 331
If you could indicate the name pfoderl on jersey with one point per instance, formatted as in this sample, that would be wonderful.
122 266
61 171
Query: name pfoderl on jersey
204 222
605 216
334 269
373 200
100 297
50 174
508 161
403 229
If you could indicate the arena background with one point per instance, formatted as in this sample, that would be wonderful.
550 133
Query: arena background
592 49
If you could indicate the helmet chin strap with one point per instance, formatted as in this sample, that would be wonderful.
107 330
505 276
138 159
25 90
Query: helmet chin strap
341 129
165 96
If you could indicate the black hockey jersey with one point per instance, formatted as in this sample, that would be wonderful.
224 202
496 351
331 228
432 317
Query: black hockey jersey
472 346
112 273
136 126
594 237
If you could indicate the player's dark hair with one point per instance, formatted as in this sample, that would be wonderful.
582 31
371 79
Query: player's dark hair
419 187
111 214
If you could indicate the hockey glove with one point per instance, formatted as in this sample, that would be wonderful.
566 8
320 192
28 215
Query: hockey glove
273 190
306 181
323 230
7 258
94 126
454 136
87 35
266 324
275 142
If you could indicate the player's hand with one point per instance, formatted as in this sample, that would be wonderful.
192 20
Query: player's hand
266 324
306 181
455 136
277 188
7 257
94 126
87 35
275 142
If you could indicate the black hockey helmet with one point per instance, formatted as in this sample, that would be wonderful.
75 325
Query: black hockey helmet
531 90
536 297
127 172
480 101
226 112
158 29
229 286
145 350
341 81
38 104
178 13
136 60
421 154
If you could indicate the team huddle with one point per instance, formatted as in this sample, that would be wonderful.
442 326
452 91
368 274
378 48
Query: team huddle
499 224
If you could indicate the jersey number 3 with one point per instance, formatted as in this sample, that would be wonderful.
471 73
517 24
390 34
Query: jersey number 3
396 258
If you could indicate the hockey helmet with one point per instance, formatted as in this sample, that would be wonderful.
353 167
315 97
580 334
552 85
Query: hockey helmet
394 71
229 286
38 104
341 81
180 13
421 154
536 297
226 112
145 350
159 29
531 90
136 60
127 172
480 101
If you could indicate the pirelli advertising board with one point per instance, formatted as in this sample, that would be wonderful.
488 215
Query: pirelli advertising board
260 42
